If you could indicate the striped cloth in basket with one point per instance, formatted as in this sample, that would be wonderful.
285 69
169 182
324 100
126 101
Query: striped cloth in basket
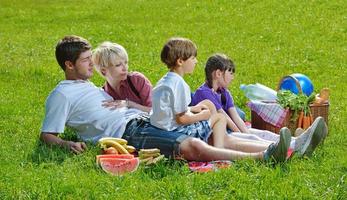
270 112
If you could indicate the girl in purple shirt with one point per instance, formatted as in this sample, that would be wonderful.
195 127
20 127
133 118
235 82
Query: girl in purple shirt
219 72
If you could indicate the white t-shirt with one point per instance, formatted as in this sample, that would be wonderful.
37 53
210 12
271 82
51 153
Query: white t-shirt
170 97
77 104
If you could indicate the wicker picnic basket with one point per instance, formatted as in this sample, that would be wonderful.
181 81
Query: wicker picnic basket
316 110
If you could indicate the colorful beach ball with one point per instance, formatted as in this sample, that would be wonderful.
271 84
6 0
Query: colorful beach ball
305 83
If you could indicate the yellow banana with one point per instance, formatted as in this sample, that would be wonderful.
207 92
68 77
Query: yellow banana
111 143
146 151
155 160
129 148
147 155
145 160
118 140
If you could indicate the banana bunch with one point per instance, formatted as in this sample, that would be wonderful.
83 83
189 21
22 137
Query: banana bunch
119 144
150 156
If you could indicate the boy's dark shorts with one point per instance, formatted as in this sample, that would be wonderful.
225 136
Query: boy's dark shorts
142 135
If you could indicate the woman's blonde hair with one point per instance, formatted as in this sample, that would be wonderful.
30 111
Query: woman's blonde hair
106 55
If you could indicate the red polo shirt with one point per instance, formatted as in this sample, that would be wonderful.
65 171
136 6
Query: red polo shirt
141 84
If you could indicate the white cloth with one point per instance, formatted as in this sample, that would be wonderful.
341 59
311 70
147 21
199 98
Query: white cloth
262 135
78 104
170 97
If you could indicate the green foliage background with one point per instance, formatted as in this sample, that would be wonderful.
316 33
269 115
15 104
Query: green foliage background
266 39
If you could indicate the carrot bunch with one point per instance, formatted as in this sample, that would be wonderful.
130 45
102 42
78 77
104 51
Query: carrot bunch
300 106
305 120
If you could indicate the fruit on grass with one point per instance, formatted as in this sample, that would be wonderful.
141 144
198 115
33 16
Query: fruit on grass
110 150
146 153
150 156
118 140
119 166
142 155
146 160
129 148
114 156
113 143
154 160
154 150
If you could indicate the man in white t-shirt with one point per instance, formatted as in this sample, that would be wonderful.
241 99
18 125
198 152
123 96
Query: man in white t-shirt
77 103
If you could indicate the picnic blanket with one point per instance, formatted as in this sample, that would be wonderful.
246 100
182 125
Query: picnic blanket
270 112
208 166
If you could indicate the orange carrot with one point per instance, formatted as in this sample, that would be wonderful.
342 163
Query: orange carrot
311 119
306 122
300 119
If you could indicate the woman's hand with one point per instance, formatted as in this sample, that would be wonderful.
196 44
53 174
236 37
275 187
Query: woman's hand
114 104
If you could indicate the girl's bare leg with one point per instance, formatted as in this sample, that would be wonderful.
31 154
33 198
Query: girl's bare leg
245 145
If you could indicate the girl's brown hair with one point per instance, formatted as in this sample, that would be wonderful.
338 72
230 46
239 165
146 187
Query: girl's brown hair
215 62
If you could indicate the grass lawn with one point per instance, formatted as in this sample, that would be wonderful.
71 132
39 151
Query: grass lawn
267 40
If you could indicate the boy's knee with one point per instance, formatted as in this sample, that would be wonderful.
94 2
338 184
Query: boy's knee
207 102
191 147
210 105
219 117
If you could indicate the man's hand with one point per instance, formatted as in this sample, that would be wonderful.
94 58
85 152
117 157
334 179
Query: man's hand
198 108
76 147
52 139
114 104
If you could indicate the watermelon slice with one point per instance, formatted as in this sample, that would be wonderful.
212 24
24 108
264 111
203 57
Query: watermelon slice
122 156
119 166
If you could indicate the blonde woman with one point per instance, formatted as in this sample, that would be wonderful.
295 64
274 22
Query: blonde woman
132 90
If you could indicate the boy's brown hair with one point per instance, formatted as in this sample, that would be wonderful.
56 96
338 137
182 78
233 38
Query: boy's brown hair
69 49
176 48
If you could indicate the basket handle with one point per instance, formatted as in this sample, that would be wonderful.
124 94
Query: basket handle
293 78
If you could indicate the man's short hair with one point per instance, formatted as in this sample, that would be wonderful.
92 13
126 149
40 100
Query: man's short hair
177 48
69 49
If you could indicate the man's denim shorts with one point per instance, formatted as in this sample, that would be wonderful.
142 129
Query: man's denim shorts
142 135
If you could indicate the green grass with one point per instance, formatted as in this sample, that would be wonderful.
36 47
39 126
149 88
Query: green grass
267 40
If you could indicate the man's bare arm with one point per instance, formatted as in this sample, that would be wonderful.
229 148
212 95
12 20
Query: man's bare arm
52 139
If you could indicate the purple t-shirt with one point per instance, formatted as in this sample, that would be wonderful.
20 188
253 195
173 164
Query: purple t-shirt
205 92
